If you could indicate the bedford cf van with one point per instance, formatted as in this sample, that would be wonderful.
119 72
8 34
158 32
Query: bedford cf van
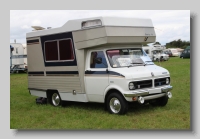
98 60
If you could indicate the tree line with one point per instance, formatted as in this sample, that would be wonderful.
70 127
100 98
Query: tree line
175 44
178 44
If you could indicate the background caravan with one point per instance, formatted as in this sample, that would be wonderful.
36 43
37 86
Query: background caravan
18 57
99 60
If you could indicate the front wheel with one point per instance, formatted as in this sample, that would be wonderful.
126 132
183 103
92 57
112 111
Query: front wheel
116 104
55 99
160 101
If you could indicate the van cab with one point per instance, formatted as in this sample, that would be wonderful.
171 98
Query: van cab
97 60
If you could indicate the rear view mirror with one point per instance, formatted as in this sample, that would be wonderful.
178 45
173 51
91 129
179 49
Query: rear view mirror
98 60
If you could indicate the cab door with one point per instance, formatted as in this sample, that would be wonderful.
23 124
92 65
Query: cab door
96 76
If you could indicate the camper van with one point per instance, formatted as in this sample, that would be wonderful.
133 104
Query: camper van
96 60
156 52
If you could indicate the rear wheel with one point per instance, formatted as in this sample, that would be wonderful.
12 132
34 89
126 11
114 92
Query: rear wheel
161 59
55 99
116 104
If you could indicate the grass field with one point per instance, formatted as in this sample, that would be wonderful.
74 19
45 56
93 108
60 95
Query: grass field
26 114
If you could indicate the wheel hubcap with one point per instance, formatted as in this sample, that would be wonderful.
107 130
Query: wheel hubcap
55 99
115 105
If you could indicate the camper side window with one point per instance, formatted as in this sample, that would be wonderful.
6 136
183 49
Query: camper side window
51 51
59 50
94 56
66 50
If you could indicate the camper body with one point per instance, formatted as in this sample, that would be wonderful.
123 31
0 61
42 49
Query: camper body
96 60
17 57
156 52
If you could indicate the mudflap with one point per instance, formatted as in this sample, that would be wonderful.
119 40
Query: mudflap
41 100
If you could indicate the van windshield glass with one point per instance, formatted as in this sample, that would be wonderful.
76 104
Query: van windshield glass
128 57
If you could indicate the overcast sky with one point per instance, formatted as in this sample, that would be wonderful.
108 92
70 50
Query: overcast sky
169 24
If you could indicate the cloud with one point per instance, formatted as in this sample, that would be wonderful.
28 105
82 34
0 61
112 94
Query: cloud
169 24
36 22
24 27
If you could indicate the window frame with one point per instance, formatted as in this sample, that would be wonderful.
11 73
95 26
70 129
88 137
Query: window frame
57 40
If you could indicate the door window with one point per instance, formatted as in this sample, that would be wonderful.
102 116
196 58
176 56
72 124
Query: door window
93 59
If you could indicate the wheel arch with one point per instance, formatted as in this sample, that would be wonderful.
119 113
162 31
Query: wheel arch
49 92
111 90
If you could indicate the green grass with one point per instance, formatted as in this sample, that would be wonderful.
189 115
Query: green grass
26 114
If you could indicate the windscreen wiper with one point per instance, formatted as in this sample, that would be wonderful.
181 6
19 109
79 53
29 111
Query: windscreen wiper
146 63
135 63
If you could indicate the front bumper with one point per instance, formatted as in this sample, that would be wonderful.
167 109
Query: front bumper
150 93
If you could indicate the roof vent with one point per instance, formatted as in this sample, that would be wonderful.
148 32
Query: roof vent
37 28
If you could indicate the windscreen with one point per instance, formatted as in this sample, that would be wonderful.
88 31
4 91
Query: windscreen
128 57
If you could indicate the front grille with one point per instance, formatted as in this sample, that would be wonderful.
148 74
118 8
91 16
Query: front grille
160 82
143 84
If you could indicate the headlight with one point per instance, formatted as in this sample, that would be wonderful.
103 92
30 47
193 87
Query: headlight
167 81
131 86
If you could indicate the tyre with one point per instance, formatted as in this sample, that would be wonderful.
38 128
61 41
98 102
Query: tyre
116 104
163 101
55 99
162 59
159 102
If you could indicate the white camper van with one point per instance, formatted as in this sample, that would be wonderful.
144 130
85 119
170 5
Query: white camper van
155 52
96 60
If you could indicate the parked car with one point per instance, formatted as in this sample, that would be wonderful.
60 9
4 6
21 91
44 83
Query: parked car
169 53
185 53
